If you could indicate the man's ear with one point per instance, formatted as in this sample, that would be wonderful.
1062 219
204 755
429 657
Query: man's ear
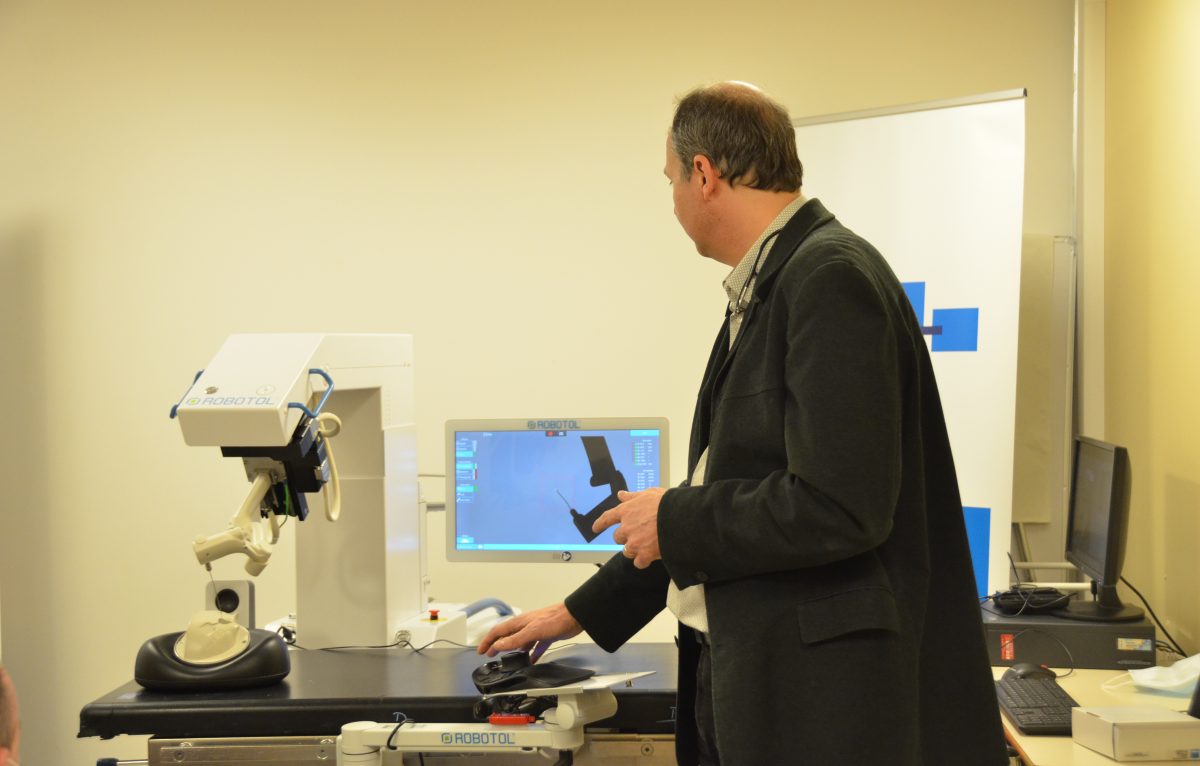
709 175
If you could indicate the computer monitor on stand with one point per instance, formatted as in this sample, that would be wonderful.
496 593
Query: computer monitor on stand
529 490
1097 519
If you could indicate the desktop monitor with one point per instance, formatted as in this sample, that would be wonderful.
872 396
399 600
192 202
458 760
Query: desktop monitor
530 490
1096 522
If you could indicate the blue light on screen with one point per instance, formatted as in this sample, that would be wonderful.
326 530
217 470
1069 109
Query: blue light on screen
525 484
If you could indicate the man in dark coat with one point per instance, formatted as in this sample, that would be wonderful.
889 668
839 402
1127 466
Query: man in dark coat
817 558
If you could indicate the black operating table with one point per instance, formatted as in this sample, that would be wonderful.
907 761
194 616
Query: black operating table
329 688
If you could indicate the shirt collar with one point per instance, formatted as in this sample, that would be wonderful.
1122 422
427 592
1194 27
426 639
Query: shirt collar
737 282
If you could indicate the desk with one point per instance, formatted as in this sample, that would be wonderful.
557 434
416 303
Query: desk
1086 687
327 689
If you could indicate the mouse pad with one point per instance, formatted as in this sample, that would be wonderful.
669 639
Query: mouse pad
513 671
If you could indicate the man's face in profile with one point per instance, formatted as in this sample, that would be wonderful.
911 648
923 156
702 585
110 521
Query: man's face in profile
686 196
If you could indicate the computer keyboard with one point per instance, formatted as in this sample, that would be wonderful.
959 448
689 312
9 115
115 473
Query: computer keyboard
1035 705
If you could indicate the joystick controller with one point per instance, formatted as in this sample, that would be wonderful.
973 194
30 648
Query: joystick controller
513 670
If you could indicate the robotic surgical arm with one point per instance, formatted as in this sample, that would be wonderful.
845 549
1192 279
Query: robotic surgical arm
279 478
248 532
261 399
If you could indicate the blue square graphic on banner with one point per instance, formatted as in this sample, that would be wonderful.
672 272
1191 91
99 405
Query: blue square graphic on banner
979 536
916 296
960 329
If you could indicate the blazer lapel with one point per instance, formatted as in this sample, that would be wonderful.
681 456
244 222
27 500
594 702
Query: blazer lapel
810 217
701 419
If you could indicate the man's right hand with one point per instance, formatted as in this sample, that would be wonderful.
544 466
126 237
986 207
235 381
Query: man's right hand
532 632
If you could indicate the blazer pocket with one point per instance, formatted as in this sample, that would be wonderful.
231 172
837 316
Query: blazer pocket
848 612
747 390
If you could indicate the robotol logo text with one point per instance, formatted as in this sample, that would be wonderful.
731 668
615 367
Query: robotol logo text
231 401
551 425
478 738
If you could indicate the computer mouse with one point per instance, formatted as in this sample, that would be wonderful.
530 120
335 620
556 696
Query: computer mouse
507 670
1030 670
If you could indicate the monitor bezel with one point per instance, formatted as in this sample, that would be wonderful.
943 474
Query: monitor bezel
567 555
1108 571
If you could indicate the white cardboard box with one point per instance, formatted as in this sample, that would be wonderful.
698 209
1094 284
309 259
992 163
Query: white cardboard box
1137 733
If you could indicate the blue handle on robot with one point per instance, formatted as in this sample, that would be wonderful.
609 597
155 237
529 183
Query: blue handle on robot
175 409
311 413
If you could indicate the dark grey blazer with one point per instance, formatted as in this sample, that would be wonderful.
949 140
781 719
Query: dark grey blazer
829 531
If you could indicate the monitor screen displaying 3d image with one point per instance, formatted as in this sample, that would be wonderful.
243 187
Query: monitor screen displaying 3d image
530 490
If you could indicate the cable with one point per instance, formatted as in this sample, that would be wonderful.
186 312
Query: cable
419 649
1023 543
361 646
1035 600
1174 643
400 643
1016 574
403 720
329 426
406 644
337 648
1070 657
737 307
1163 646
1027 591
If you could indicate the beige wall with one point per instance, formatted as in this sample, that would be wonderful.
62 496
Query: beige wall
1151 272
483 175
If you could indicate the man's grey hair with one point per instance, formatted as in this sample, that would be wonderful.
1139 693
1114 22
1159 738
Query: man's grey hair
746 134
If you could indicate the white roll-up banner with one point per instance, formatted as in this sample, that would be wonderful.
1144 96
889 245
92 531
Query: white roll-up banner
938 188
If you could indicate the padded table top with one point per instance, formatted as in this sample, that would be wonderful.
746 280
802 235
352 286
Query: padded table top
329 688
